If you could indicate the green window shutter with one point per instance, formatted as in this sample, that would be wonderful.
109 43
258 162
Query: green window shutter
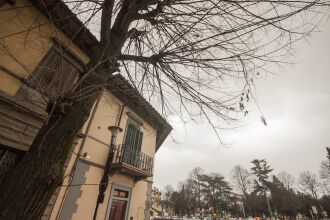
133 144
138 149
129 132
126 154
134 138
139 143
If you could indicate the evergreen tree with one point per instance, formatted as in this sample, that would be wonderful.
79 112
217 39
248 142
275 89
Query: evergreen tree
216 189
262 171
283 198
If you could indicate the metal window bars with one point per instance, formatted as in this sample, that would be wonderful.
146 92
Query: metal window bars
8 160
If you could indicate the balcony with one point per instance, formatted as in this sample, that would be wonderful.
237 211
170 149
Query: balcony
136 164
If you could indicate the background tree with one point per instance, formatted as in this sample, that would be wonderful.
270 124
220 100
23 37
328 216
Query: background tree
306 201
311 186
190 198
325 203
195 183
178 202
262 171
284 198
286 179
325 167
243 181
216 190
258 204
166 200
216 193
309 183
325 184
170 50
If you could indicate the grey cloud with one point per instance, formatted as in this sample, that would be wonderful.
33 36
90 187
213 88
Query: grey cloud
296 103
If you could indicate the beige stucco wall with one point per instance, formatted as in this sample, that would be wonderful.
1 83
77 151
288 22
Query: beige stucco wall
25 38
96 147
107 114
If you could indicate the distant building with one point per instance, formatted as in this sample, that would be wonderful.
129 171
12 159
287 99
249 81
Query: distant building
33 65
156 197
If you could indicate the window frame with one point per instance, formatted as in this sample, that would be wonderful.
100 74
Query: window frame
56 50
115 186
133 151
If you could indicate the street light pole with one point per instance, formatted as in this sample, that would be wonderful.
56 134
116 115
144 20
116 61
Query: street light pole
105 178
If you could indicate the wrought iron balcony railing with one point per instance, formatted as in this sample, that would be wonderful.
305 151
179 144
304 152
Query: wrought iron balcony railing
133 162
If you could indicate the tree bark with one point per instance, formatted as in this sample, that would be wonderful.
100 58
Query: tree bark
26 190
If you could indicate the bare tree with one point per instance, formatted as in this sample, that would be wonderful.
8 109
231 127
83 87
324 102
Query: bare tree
166 200
309 183
242 179
202 54
243 182
286 179
195 176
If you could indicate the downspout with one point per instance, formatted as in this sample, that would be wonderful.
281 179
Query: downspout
121 114
105 178
79 153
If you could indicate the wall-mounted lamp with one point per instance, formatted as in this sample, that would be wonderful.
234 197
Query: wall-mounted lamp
114 132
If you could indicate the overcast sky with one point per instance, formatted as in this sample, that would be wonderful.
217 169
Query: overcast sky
296 104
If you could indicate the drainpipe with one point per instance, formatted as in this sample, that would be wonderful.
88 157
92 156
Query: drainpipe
105 178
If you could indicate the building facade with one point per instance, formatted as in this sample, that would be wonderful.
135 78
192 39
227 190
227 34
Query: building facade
43 50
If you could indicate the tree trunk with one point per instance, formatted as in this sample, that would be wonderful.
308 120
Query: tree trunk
247 202
26 190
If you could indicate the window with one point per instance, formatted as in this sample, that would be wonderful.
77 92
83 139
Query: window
56 74
8 160
132 144
118 205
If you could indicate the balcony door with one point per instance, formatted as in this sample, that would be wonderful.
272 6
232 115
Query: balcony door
132 145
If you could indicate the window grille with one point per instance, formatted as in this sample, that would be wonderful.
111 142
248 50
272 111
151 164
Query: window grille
8 160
